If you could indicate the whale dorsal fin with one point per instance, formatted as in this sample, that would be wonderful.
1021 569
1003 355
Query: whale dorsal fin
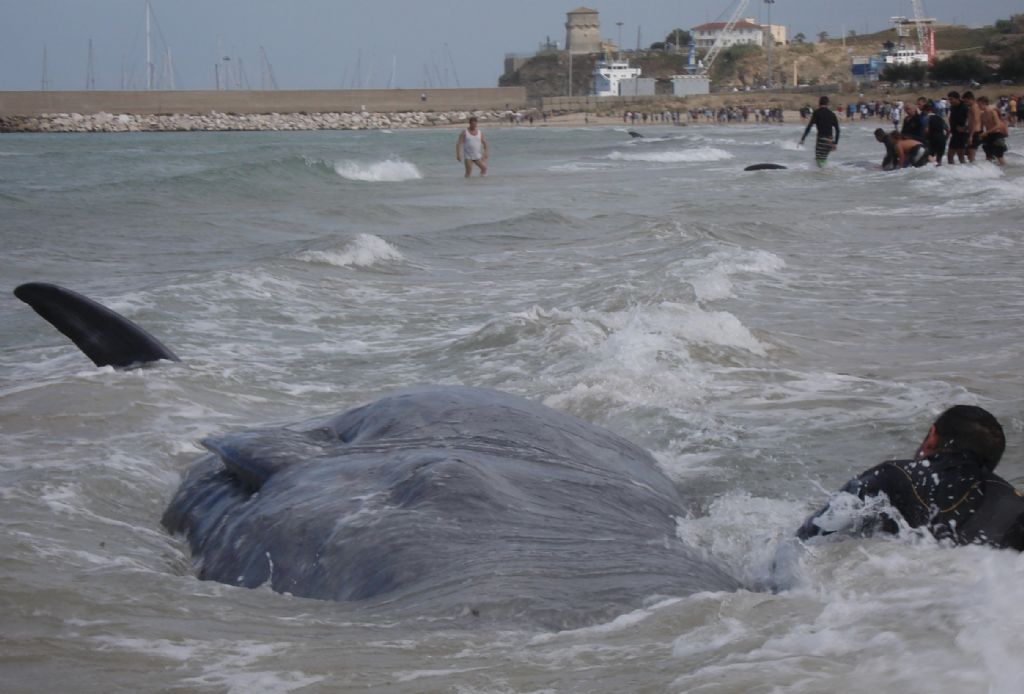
106 337
255 456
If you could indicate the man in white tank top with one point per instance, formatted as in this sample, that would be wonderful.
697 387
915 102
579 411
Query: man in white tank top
472 148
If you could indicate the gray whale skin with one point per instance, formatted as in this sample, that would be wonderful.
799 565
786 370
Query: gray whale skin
435 501
443 500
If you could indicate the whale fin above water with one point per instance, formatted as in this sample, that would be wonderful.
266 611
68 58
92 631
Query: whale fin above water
255 456
106 337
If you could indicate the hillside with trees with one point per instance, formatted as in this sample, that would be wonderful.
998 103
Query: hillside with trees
987 54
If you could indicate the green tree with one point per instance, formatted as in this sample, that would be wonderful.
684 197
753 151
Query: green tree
728 58
959 67
799 38
904 73
1012 67
822 36
679 38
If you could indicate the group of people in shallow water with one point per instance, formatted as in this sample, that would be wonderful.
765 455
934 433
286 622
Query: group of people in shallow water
925 135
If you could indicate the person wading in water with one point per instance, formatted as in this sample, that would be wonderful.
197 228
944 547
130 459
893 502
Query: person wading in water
828 131
949 487
472 148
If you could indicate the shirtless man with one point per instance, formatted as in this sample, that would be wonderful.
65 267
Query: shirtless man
909 151
973 126
472 147
993 141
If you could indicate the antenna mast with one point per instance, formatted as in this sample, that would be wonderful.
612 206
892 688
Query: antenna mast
267 72
90 72
45 83
149 49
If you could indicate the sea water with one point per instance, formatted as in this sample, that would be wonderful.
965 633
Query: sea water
766 335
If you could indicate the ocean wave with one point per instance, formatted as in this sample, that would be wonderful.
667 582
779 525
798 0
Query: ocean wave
699 154
578 167
711 277
365 250
388 170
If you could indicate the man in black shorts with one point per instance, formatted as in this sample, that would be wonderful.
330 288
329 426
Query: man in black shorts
828 131
958 134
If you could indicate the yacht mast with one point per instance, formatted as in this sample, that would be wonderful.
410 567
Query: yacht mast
90 70
149 50
45 84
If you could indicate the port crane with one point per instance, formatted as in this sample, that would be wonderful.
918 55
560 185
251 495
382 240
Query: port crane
719 44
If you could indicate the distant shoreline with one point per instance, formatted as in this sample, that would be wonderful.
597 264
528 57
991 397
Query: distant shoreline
285 122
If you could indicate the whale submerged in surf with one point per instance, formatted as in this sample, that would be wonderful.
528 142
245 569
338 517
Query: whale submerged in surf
437 500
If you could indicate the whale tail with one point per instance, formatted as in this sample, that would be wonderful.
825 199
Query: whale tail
106 337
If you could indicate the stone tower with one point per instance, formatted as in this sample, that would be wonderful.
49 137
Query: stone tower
582 31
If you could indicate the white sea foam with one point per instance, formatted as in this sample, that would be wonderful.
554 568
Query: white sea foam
389 170
679 156
365 250
578 166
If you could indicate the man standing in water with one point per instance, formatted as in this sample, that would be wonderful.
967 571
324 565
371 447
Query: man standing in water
973 126
993 141
959 114
472 147
828 131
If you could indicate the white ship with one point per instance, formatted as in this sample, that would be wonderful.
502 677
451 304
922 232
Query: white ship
906 56
608 74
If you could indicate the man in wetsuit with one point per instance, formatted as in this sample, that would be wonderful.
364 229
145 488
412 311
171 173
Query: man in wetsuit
828 131
913 124
936 132
958 134
949 487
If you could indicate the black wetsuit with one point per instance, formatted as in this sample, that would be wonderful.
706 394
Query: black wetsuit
950 494
958 116
824 119
937 134
913 127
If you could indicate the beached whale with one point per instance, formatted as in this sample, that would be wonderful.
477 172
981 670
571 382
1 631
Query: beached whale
439 501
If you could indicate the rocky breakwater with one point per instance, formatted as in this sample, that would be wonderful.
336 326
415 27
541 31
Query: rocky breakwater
178 122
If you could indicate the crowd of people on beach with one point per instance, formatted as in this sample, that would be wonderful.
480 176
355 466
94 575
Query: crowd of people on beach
925 131
706 114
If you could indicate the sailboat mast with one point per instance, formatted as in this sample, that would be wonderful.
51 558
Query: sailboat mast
45 85
149 50
90 70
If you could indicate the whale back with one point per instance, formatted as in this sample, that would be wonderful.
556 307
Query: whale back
446 499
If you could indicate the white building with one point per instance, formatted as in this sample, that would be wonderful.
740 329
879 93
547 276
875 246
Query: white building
744 31
608 74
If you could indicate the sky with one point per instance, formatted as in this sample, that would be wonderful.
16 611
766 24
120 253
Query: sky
344 44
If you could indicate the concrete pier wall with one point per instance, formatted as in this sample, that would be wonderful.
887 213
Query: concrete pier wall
257 102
